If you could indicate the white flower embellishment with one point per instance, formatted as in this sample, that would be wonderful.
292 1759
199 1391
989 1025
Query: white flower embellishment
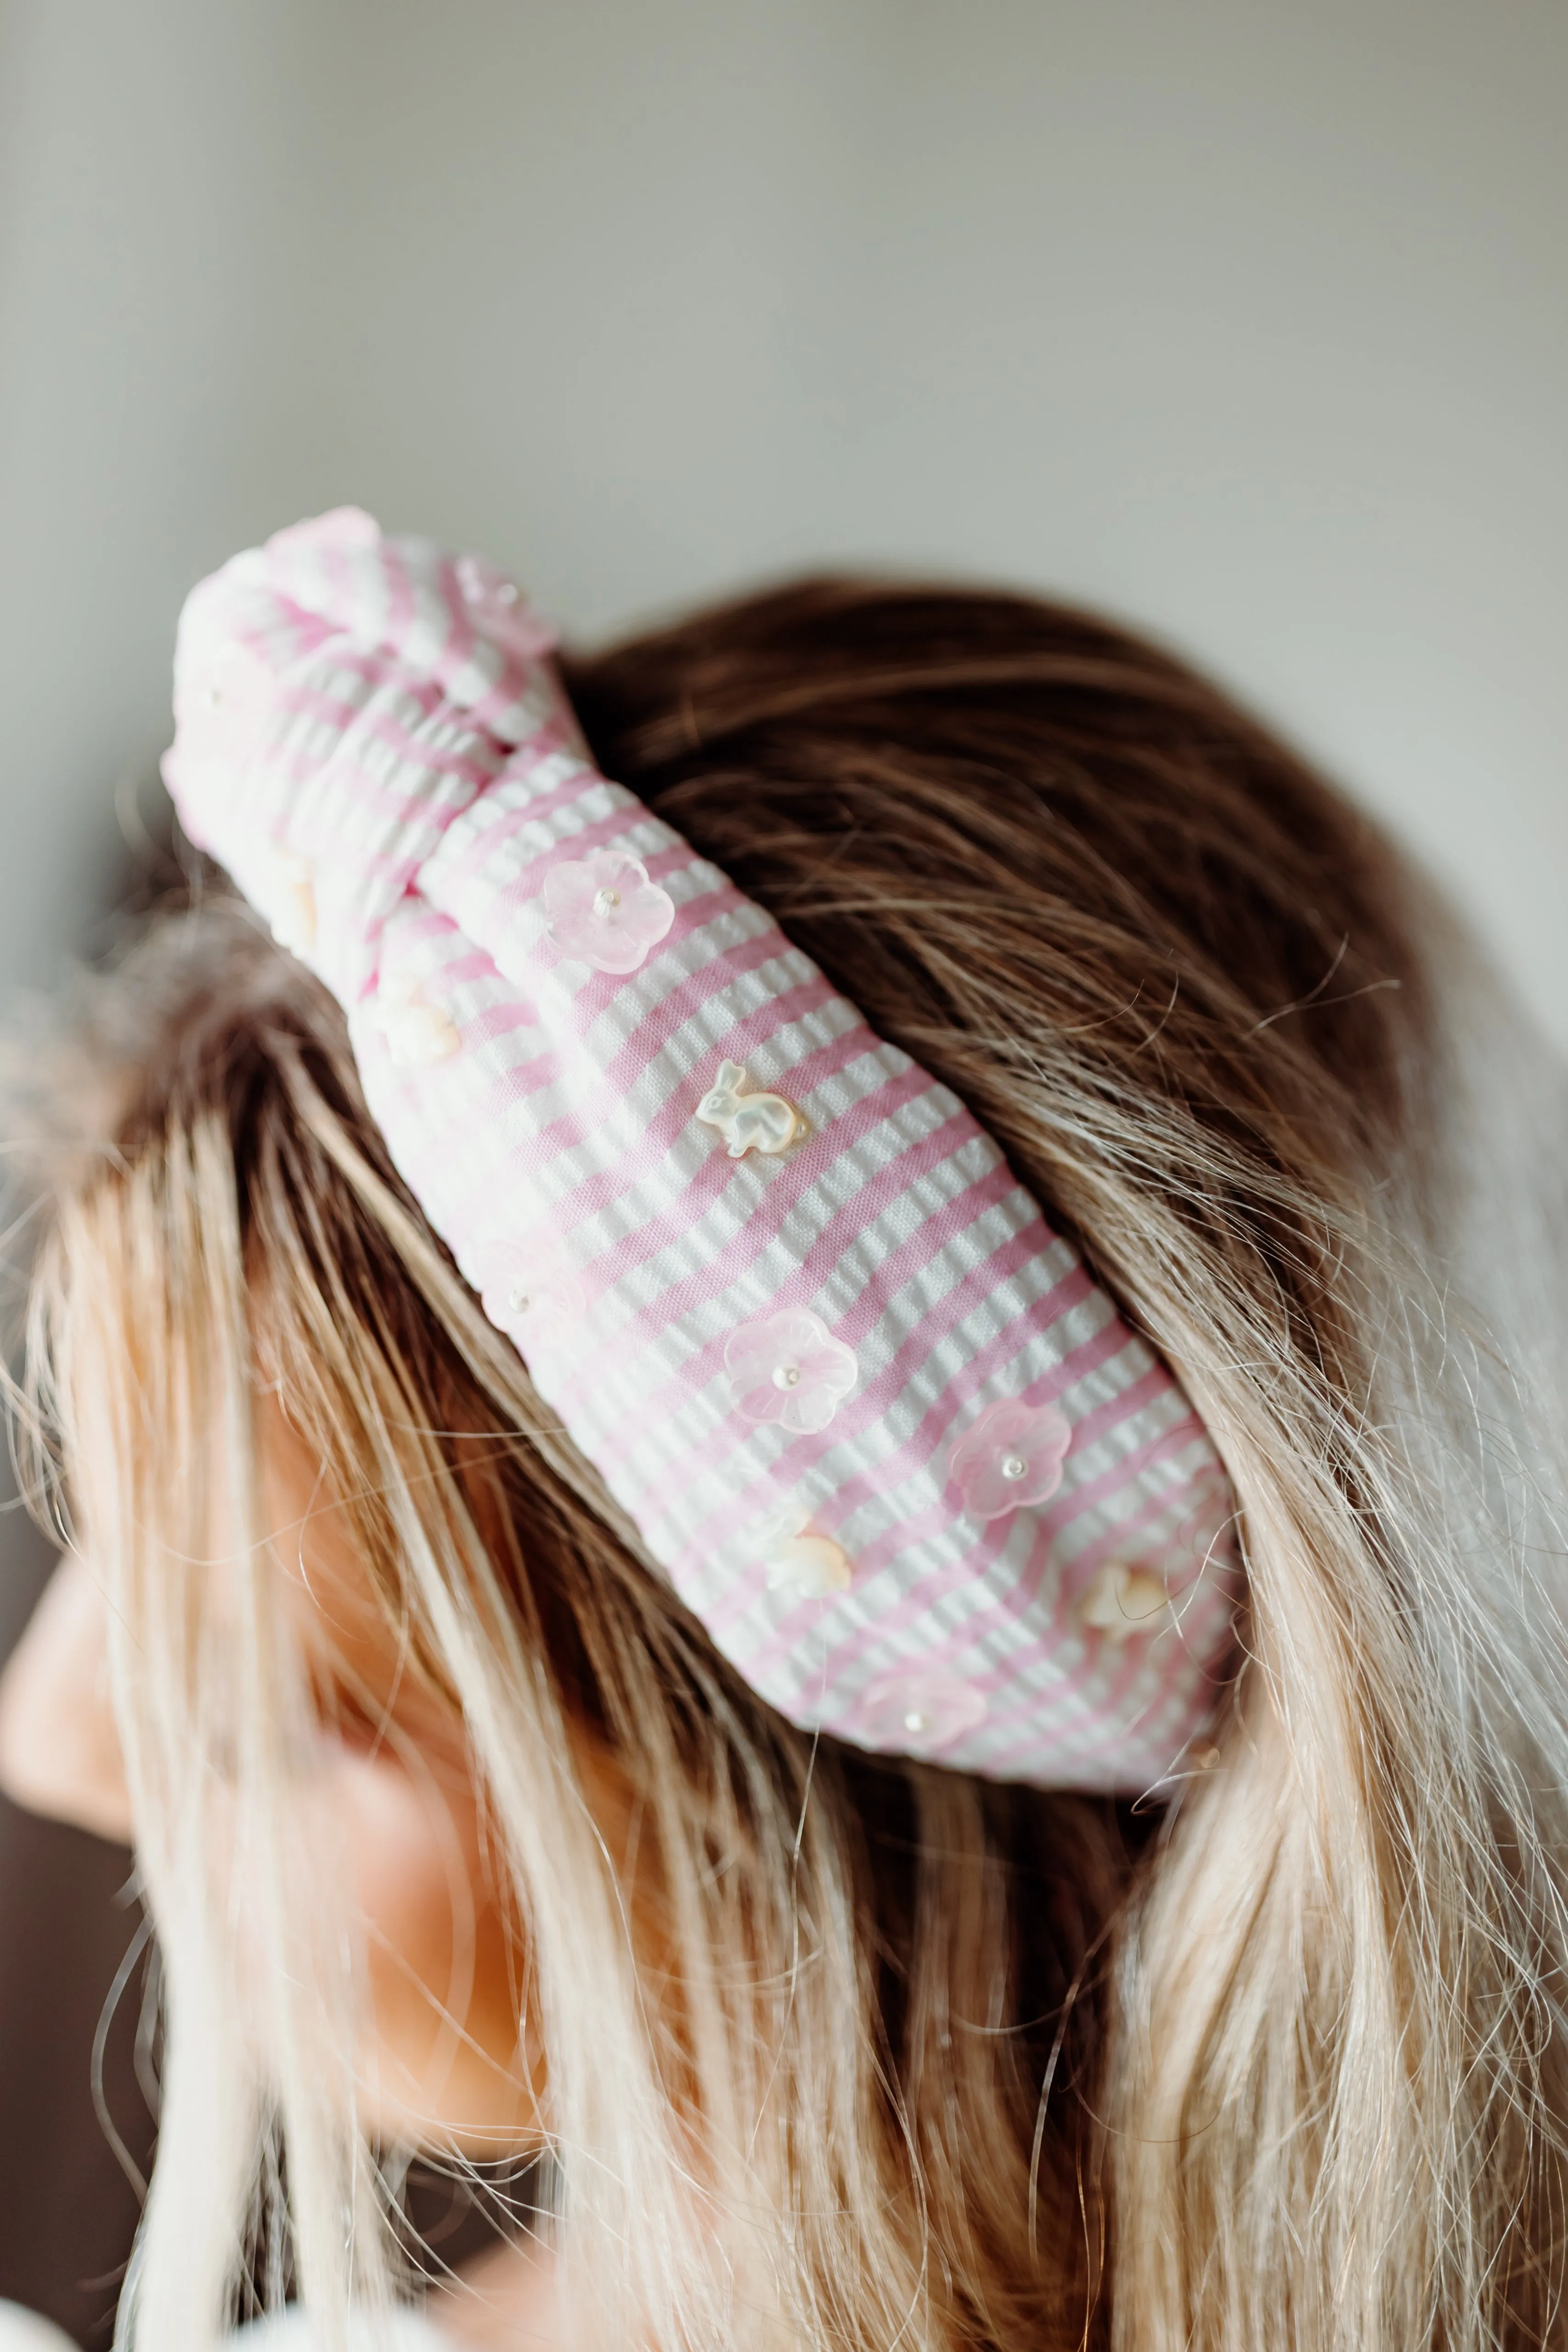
532 1291
416 1032
918 1711
293 902
1122 1602
224 699
790 1369
1010 1459
500 611
797 1558
749 1122
604 910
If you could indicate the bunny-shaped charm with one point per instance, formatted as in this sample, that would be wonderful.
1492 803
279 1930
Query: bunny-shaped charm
759 1122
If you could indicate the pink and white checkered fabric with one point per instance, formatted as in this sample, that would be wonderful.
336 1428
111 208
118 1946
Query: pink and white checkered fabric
886 1436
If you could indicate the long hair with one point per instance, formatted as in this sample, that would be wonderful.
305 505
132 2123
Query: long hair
848 2052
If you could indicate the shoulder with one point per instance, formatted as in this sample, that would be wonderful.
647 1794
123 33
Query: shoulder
290 2331
23 2331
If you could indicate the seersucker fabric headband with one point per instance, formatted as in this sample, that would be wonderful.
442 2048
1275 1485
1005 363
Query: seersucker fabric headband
873 1418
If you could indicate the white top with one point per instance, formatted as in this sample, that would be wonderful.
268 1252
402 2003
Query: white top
23 2331
289 2331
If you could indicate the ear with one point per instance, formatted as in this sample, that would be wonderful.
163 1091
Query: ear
729 1075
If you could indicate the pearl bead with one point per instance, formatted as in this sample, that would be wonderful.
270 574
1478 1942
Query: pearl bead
1014 1466
605 901
786 1376
507 593
520 1302
918 1710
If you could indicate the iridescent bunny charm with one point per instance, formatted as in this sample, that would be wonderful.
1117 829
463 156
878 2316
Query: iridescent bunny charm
749 1122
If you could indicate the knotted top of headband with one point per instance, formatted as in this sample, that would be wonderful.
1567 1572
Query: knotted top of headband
874 1419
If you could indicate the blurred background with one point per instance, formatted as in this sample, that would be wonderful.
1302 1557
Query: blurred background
1242 319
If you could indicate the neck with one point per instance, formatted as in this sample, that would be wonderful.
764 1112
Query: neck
508 2296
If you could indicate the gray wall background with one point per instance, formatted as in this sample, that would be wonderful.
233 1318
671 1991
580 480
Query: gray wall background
1244 319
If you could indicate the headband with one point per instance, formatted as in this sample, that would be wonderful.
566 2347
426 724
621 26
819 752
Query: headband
872 1417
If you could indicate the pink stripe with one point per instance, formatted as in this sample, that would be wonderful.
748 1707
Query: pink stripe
413 621
714 1173
1154 1386
505 706
929 1438
1112 1340
443 664
740 1253
503 1020
1021 1597
495 708
346 780
403 605
1023 1658
546 1144
957 1651
372 671
340 579
477 966
853 1488
420 921
680 1297
443 766
1021 1327
330 574
927 1443
554 734
600 991
461 645
1107 1417
1121 1539
730 963
288 638
489 910
608 832
1202 1662
319 706
1106 1711
499 829
602 1187
418 924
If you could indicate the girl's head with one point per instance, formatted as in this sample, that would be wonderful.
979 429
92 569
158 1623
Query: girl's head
461 1833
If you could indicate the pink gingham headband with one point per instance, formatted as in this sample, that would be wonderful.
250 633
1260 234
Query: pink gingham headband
874 1420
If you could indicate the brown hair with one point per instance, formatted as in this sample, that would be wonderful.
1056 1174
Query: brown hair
1262 2069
